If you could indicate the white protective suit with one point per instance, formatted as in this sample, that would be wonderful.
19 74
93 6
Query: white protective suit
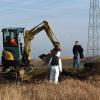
54 70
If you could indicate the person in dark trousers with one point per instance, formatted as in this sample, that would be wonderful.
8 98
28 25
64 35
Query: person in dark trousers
78 53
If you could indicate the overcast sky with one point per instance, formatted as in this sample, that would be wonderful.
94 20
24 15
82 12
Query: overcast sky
68 20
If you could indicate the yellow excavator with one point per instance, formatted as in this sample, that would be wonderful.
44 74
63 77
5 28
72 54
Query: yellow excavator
17 52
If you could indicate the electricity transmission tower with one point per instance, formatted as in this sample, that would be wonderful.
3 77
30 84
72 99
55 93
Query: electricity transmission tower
93 48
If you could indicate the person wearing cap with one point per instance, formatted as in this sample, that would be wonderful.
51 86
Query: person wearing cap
78 53
55 66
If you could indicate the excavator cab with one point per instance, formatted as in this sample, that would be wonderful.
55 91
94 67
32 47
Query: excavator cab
12 46
17 45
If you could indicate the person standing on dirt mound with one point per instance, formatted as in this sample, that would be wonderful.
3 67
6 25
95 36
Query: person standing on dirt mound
55 66
78 53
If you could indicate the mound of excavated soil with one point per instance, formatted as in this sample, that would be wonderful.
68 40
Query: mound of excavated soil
93 68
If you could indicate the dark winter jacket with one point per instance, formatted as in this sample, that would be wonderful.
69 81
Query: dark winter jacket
78 48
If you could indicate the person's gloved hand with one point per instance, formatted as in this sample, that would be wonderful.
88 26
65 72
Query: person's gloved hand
60 70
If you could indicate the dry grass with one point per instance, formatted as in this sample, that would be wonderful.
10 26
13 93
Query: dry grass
69 89
73 85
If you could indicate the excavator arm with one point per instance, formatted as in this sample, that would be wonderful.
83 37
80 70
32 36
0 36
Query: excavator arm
29 35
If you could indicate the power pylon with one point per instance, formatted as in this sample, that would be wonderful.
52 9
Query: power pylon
93 48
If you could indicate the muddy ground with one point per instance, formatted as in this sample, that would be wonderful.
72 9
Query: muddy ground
40 72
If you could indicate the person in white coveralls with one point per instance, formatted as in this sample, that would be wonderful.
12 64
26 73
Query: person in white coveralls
55 66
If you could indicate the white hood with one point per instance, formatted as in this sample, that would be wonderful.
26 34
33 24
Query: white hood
58 54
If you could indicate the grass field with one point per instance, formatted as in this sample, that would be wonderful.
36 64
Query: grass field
70 89
74 84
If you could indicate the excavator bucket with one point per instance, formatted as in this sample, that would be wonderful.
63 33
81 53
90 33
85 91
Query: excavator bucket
45 57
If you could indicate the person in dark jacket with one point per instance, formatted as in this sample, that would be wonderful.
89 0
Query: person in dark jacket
78 53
